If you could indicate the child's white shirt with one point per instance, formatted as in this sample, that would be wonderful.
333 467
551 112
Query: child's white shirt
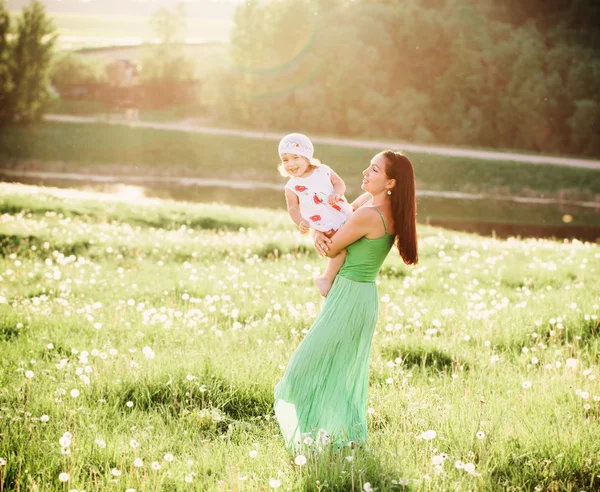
313 192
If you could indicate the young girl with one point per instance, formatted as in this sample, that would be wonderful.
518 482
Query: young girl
315 197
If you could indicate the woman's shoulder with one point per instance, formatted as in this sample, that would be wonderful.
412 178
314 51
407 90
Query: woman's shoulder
371 217
366 214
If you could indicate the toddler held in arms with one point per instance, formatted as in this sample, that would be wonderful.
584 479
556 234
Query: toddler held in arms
315 197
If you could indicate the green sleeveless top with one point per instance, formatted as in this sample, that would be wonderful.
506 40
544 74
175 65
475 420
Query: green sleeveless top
365 256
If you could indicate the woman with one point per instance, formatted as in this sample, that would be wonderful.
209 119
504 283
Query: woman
323 393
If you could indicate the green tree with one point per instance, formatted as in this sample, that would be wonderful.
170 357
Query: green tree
72 68
30 58
6 85
165 61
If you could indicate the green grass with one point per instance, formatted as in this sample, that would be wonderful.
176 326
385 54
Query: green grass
108 149
222 296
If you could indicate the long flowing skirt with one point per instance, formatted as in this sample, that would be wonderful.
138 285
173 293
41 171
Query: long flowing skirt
323 392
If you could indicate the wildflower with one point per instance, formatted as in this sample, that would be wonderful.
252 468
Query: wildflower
168 457
75 393
526 384
148 352
572 363
155 465
138 462
480 435
65 441
64 477
134 444
115 472
2 462
274 483
308 441
29 374
129 404
300 460
428 435
253 454
459 464
189 478
470 469
367 487
44 418
437 459
101 444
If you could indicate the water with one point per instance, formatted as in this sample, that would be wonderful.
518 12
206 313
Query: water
482 214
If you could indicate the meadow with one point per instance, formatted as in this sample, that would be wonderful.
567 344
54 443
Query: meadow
141 340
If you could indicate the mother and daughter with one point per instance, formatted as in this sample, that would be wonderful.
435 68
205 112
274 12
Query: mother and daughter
322 395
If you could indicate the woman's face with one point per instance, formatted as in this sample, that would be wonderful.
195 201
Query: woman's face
295 165
374 177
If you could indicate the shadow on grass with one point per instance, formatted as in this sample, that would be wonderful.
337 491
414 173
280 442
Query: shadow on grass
22 244
346 470
527 472
243 401
422 357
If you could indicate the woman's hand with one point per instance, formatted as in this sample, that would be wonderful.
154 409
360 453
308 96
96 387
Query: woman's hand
321 242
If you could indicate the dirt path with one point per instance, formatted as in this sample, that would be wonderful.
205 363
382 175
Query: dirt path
346 142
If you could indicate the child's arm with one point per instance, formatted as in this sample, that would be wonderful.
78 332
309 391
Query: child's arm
293 206
360 201
339 188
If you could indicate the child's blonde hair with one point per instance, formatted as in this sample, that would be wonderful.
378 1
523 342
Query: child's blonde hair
313 162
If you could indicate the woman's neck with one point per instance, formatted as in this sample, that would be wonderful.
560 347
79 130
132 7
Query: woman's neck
380 199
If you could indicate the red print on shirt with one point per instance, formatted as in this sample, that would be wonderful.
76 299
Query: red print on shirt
315 218
300 189
337 207
316 199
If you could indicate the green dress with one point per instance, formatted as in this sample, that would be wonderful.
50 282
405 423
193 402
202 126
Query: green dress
323 392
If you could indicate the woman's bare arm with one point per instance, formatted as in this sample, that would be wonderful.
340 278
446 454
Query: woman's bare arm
357 226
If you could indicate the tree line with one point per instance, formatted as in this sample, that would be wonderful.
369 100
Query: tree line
25 56
33 72
510 74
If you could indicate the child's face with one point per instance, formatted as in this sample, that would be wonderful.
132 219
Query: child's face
295 165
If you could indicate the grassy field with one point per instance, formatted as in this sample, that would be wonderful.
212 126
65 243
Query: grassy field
141 340
109 149
78 31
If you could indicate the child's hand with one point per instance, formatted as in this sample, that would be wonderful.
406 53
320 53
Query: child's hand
304 226
334 198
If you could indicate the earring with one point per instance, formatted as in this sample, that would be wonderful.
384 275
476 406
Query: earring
389 192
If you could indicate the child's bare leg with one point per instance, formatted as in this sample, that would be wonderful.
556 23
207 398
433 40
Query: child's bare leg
325 281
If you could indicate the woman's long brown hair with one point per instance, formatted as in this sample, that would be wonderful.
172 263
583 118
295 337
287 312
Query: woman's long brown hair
404 205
